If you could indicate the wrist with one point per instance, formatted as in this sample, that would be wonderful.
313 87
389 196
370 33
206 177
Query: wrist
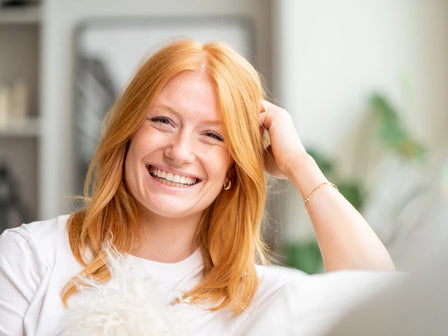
301 162
304 173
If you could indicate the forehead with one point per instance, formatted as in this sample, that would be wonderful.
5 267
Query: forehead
187 78
191 92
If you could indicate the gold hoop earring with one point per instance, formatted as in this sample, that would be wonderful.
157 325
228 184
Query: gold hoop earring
227 185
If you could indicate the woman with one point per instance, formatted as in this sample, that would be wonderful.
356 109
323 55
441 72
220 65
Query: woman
177 187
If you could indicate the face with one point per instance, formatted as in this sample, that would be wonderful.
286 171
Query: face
178 160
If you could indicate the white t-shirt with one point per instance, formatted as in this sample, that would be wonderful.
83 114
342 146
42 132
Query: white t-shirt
36 262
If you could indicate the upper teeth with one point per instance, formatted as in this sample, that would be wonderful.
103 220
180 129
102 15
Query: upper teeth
172 177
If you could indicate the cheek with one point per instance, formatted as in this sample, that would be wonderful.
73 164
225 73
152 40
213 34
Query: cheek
220 164
137 148
133 160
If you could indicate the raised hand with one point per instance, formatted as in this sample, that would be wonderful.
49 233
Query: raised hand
334 219
285 148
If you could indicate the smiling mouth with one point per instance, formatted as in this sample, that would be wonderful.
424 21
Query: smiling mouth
170 179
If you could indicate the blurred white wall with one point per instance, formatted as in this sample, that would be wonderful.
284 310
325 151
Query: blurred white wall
60 20
330 55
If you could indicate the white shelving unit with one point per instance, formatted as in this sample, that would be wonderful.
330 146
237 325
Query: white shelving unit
20 15
20 138
21 128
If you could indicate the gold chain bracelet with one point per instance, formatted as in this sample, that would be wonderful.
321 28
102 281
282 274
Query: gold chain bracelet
307 199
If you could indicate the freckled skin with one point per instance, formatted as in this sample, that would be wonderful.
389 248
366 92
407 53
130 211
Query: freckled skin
182 135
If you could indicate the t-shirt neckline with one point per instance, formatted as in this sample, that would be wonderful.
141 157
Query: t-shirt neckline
192 263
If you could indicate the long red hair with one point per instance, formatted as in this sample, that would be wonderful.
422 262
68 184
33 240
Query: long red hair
229 232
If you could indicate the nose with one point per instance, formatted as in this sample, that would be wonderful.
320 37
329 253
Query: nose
180 149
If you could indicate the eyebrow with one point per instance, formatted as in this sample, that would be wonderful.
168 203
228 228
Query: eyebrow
213 122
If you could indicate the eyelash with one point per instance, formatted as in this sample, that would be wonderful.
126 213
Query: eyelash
166 121
214 135
163 120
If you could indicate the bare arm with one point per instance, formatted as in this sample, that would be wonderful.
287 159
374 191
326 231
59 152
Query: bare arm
345 239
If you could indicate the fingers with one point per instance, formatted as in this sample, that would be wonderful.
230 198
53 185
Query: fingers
265 138
263 127
266 106
262 107
269 112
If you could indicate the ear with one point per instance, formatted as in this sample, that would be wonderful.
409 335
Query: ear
231 174
230 177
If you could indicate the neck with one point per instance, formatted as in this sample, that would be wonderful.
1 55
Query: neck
166 240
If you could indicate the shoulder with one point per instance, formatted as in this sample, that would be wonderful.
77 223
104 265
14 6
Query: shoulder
277 275
39 229
40 240
272 278
35 263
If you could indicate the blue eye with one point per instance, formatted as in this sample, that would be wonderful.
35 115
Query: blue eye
214 135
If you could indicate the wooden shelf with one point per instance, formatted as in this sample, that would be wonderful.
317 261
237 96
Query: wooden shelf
20 15
28 127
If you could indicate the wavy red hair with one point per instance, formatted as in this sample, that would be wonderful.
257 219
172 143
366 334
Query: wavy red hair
229 232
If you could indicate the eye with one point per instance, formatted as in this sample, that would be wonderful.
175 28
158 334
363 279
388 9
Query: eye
159 119
214 135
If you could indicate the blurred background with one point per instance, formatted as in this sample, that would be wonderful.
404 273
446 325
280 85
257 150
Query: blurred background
366 83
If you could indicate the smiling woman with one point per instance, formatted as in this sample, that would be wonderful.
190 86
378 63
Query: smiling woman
180 141
175 195
170 120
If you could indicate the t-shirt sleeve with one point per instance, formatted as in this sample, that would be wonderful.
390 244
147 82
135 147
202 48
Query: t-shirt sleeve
19 279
